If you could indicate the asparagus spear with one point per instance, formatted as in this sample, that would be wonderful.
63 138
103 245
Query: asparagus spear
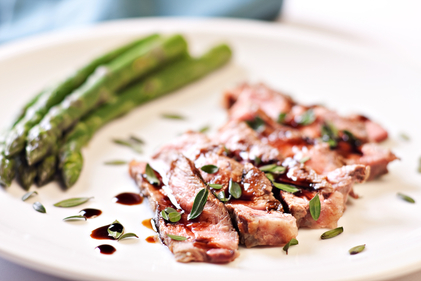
25 173
100 88
15 141
168 79
46 169
7 170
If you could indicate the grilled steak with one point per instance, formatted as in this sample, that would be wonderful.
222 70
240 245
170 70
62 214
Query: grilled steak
257 214
211 237
295 142
333 187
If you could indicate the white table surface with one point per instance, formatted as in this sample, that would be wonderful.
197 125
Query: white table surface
391 25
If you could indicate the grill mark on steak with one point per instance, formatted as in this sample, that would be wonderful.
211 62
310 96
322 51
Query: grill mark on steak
257 214
211 236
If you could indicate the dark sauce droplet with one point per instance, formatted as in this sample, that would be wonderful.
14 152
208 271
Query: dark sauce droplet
148 223
128 198
152 239
90 213
106 249
101 233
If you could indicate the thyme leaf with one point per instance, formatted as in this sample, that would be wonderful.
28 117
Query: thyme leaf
210 169
406 198
291 242
234 189
357 249
39 207
286 187
332 233
198 203
315 207
177 237
72 202
27 195
150 176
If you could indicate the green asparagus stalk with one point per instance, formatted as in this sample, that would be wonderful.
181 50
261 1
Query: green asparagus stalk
25 174
16 138
100 88
47 168
166 80
7 170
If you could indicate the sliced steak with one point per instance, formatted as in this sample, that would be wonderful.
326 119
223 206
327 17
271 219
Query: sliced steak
257 213
333 187
323 158
274 103
211 237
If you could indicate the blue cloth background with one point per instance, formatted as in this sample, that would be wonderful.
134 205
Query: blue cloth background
20 18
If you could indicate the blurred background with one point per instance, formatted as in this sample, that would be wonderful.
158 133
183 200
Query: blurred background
393 26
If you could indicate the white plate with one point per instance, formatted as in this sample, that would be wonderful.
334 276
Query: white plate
313 68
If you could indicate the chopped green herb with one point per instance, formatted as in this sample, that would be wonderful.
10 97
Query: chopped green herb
165 215
137 140
221 196
173 116
135 147
281 117
72 202
405 137
174 216
357 249
150 176
204 129
291 242
329 134
270 177
304 159
315 207
332 233
406 198
115 162
27 195
115 230
177 237
286 187
215 186
234 189
273 168
39 207
198 203
257 124
74 218
306 118
210 169
127 235
170 214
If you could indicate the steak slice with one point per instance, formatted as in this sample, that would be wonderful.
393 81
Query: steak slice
257 214
211 237
333 188
323 158
274 103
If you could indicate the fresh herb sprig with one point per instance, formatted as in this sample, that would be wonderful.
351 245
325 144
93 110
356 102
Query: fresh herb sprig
332 233
291 242
72 202
150 176
315 207
234 189
39 207
177 237
28 195
170 214
198 203
210 169
357 249
406 198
